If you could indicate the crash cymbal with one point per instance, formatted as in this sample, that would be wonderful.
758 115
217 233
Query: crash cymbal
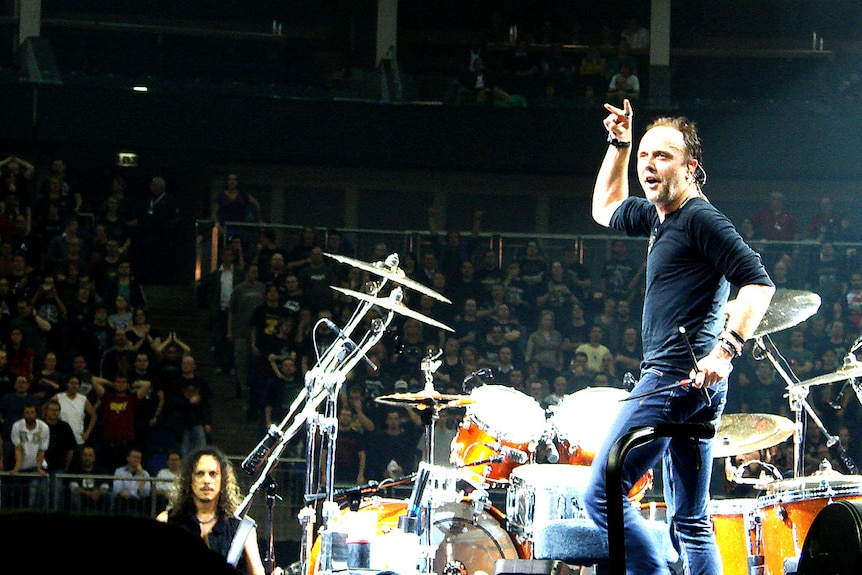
425 398
396 276
396 306
787 309
741 433
849 370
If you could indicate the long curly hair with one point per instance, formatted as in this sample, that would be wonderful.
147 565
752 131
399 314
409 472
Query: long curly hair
230 493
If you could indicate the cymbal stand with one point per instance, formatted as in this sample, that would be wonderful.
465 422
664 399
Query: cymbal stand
798 398
343 362
430 364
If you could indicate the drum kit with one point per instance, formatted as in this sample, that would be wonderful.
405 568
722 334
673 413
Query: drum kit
541 458
765 535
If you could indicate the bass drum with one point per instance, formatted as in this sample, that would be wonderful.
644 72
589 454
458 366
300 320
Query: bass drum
461 533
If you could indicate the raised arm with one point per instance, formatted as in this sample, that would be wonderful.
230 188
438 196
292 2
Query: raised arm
612 182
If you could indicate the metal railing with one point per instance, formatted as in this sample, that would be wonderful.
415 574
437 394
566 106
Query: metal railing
57 492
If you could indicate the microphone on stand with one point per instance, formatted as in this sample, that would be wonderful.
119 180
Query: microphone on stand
349 345
348 493
254 460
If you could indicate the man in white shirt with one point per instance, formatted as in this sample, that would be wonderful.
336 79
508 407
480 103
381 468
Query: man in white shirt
132 486
30 437
636 35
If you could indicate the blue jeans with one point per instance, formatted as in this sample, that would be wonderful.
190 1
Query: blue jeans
687 468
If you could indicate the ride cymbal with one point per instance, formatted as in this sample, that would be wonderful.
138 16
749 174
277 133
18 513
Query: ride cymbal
849 370
741 433
396 275
396 306
787 309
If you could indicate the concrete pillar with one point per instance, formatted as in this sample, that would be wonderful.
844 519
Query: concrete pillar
659 54
29 19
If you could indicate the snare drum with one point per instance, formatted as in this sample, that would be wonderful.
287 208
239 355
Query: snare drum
499 432
731 522
787 510
461 532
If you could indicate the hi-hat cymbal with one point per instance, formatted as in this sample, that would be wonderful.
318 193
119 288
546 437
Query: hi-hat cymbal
395 306
849 370
424 399
787 309
741 433
395 276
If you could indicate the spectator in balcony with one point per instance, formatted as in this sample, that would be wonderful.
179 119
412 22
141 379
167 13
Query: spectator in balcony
118 406
62 444
120 318
11 409
126 285
154 228
119 359
299 255
31 439
595 350
635 34
219 286
555 292
624 85
29 241
235 206
545 345
827 275
190 408
823 223
266 249
592 69
396 442
621 273
48 379
76 410
16 174
51 207
57 250
114 221
88 494
315 280
455 249
774 222
621 58
21 356
132 486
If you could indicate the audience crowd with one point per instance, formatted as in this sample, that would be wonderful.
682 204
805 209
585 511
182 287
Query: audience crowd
537 320
87 385
79 357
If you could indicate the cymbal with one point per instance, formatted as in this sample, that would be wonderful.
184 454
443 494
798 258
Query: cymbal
395 276
395 306
424 399
849 370
787 309
741 433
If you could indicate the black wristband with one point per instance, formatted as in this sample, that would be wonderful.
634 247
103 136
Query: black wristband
736 336
729 347
617 143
